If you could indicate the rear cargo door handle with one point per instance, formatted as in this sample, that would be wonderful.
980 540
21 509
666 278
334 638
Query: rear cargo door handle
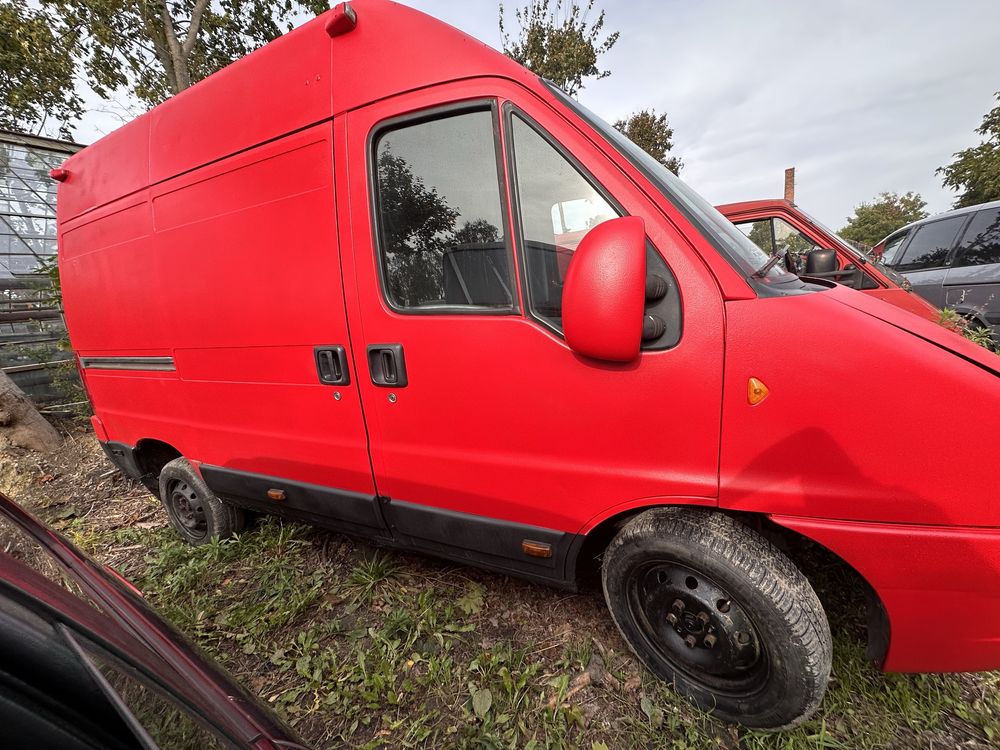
387 365
331 365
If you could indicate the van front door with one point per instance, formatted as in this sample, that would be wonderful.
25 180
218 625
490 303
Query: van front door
491 439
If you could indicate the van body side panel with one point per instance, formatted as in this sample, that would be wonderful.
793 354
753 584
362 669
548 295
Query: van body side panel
100 174
824 445
237 284
231 112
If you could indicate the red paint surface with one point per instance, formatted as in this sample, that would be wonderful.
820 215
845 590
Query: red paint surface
240 249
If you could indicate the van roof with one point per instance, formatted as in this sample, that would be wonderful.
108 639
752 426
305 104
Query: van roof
298 80
942 215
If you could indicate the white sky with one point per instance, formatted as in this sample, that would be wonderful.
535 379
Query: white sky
860 96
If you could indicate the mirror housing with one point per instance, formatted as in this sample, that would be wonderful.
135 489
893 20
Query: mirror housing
604 293
821 261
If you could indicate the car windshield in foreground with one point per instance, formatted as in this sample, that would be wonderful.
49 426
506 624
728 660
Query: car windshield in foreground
742 253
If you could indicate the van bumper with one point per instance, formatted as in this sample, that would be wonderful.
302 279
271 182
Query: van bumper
939 587
122 455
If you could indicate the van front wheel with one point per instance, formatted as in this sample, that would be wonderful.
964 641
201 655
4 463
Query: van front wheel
715 609
194 512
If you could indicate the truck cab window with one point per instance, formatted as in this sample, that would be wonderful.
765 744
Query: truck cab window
558 206
759 232
440 215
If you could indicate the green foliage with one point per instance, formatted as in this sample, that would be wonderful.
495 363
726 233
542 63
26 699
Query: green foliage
36 71
975 172
885 214
156 48
651 132
557 41
972 330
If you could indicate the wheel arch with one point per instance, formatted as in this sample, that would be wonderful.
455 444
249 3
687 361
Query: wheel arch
584 566
150 456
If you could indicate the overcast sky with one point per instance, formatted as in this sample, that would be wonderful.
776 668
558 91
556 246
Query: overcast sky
859 96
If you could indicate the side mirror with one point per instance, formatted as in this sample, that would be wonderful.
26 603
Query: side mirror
820 262
605 291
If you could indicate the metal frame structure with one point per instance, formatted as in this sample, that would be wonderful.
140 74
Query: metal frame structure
31 323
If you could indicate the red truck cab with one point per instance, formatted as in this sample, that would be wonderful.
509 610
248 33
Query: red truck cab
339 281
776 223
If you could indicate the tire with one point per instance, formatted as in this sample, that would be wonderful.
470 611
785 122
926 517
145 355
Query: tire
194 512
716 610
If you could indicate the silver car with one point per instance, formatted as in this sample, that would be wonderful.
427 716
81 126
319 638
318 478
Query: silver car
953 260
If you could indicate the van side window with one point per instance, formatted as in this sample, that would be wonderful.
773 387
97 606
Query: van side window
440 217
558 206
930 245
981 243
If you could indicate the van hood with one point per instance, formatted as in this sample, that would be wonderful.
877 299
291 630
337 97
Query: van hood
933 333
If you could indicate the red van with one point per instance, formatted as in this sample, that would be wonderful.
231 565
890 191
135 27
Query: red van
812 249
326 283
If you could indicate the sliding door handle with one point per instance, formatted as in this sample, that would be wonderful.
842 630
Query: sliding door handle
331 365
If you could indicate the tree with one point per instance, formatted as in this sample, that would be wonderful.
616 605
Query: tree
36 71
157 48
556 41
885 214
976 171
651 132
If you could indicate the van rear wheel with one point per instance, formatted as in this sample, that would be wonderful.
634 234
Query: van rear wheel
716 610
194 512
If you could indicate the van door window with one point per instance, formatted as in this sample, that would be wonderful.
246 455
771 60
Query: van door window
440 217
558 206
981 243
930 245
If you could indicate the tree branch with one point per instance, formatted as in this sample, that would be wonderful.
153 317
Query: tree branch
194 27
177 57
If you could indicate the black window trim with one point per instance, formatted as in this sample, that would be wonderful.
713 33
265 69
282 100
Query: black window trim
510 110
439 112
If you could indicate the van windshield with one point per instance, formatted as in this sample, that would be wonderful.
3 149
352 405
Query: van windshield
734 246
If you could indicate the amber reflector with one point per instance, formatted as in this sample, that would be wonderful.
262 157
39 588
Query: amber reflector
276 494
536 549
756 391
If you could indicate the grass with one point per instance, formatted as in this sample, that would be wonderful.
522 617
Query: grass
370 650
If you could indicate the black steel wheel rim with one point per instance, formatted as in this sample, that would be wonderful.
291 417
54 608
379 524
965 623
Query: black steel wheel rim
188 510
694 625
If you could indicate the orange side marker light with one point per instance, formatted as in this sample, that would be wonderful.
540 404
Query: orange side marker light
756 391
